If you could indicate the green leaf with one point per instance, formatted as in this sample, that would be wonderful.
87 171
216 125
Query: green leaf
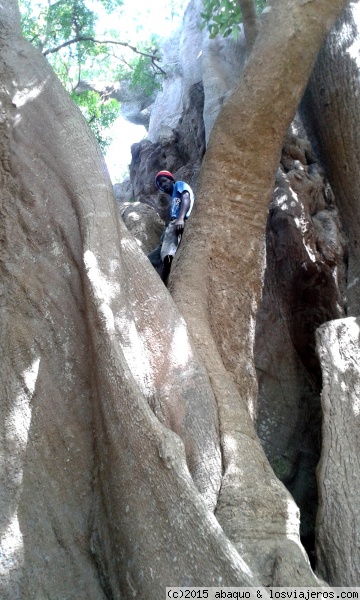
235 30
226 13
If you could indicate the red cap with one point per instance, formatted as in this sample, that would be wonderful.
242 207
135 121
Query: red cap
163 174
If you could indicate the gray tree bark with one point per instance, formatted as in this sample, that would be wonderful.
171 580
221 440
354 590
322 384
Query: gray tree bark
331 108
90 342
218 277
250 22
338 519
335 84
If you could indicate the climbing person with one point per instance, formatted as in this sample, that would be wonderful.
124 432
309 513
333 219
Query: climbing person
182 200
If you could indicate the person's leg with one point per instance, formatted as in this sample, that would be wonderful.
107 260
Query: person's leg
169 246
164 268
155 256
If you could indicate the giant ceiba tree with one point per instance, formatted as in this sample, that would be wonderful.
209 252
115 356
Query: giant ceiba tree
130 458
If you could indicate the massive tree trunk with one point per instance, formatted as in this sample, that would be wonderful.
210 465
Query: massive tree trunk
90 341
331 107
338 525
304 286
218 278
109 430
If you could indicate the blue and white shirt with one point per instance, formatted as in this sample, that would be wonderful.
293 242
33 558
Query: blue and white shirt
179 187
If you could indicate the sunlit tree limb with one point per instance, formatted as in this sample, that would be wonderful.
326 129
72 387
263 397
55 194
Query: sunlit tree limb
250 22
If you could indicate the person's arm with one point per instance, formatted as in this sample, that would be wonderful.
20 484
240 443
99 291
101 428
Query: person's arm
185 205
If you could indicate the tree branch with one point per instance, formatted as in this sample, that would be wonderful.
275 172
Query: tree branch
250 22
80 38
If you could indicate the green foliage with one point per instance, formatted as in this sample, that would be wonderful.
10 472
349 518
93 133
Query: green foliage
111 5
52 26
48 24
144 74
222 17
58 29
99 112
175 8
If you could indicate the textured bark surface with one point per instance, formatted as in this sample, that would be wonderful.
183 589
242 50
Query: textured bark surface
91 341
338 523
143 223
121 431
304 286
217 279
335 84
250 21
